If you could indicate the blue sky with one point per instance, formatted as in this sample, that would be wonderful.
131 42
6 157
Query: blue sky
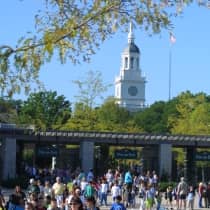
190 54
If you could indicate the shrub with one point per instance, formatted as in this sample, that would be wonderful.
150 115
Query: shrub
163 185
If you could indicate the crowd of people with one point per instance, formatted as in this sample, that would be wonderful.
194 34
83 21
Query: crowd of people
87 192
182 196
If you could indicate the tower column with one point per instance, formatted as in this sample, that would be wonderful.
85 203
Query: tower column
191 165
87 155
150 158
8 158
165 159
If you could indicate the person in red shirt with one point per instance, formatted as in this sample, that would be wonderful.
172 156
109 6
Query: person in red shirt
201 192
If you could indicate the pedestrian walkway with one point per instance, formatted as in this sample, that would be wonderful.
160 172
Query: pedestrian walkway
163 204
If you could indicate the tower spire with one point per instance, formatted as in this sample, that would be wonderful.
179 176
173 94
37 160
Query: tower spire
130 34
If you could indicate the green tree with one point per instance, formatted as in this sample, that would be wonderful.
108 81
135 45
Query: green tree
200 119
45 110
8 111
193 119
108 117
154 119
111 117
90 88
83 118
192 113
73 30
179 156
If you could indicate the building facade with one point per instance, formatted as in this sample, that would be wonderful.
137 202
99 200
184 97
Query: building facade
130 84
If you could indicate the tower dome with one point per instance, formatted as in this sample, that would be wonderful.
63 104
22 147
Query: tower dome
131 47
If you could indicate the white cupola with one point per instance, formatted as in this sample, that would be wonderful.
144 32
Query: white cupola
130 85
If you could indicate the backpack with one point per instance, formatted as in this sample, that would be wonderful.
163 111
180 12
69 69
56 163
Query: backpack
182 188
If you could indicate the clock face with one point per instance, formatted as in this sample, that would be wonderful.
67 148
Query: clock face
132 90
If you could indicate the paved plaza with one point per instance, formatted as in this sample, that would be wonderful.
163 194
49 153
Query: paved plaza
163 204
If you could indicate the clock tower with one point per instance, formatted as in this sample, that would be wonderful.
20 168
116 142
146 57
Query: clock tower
130 84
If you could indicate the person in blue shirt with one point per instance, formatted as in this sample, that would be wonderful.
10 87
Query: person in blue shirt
128 178
118 205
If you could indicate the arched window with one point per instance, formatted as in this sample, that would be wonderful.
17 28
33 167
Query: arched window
132 62
137 62
126 62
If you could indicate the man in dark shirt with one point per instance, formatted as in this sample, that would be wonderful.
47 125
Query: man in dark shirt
33 188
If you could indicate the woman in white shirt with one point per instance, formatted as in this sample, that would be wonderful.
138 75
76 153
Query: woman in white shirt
115 191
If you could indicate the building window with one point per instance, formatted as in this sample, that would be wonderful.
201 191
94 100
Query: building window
132 62
126 62
137 62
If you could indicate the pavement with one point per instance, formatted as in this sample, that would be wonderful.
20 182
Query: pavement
164 205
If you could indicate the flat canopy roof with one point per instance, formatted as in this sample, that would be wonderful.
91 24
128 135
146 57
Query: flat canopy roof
111 138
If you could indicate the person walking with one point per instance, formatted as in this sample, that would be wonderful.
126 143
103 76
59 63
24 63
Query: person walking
75 203
208 194
182 191
158 199
57 191
33 188
150 196
110 178
89 190
128 180
90 175
117 205
142 196
169 192
103 192
91 204
190 198
115 191
201 194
